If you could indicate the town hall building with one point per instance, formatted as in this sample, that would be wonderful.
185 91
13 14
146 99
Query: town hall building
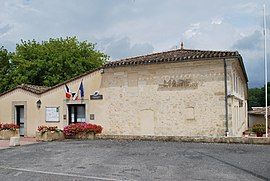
180 92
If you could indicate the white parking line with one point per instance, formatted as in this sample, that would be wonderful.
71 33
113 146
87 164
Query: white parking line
60 174
17 174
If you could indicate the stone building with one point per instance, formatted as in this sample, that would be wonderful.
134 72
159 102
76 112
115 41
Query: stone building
257 116
175 93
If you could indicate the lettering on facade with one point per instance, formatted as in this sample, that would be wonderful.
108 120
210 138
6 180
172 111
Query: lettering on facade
179 83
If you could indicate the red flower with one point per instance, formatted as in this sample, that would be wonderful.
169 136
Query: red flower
44 129
8 126
73 129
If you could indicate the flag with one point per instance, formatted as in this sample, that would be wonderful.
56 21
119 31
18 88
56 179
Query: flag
68 93
80 92
75 95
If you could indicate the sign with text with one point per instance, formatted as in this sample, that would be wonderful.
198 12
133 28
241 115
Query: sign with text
96 97
52 114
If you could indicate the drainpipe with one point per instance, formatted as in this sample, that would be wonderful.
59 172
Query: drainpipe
226 97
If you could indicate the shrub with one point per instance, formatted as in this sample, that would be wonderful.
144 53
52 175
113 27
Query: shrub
73 129
44 129
8 126
259 128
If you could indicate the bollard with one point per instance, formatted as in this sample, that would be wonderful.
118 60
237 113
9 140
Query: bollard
14 141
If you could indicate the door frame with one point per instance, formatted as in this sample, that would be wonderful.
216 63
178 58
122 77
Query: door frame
75 112
18 115
14 116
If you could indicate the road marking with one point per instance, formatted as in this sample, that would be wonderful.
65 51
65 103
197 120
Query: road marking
60 174
17 174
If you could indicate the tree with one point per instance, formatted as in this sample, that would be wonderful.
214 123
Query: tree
51 62
256 96
5 67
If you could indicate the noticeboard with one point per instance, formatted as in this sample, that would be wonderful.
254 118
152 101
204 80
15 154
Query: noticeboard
52 114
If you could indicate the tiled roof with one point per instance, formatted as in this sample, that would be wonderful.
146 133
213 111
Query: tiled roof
259 111
34 88
31 88
179 55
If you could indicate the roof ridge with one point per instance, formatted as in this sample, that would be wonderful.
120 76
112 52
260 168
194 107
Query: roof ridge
33 85
170 51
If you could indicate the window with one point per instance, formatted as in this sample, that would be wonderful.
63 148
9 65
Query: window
236 84
80 114
76 113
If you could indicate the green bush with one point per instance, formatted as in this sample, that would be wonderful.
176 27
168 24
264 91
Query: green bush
258 128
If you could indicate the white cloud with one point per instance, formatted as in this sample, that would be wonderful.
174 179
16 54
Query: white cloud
123 48
142 26
250 7
216 21
4 29
192 31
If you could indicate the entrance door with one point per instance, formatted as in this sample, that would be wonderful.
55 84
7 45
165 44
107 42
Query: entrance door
76 113
20 118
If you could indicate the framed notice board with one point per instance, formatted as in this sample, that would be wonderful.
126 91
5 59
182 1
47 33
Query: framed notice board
52 114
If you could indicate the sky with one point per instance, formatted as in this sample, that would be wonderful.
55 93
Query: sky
125 28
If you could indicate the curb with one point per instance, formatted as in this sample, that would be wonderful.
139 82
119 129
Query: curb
195 139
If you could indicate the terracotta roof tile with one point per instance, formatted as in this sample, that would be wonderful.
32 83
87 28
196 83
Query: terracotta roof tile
30 88
34 88
179 55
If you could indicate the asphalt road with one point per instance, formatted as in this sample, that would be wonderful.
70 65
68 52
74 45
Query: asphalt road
135 160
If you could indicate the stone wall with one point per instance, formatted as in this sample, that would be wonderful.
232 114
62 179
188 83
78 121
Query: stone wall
139 101
7 134
173 99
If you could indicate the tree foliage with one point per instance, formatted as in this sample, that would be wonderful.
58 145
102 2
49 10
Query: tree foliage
47 63
256 96
5 69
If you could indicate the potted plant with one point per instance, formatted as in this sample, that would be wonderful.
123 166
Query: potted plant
8 130
49 133
259 129
82 131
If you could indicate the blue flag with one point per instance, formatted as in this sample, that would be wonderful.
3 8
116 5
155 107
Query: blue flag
81 89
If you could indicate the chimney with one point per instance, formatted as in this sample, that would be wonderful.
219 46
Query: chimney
182 46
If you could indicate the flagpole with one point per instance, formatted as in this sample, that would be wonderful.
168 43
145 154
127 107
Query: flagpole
265 72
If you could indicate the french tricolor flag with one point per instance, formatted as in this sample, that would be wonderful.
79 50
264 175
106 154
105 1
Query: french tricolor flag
80 93
68 93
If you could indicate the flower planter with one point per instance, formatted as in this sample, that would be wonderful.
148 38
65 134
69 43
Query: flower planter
83 135
82 131
7 134
259 134
49 136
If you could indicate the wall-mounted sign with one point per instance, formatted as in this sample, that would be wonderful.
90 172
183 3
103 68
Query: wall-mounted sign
96 96
52 114
92 116
178 83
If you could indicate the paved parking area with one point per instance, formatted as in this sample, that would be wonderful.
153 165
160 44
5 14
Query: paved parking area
23 141
135 160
